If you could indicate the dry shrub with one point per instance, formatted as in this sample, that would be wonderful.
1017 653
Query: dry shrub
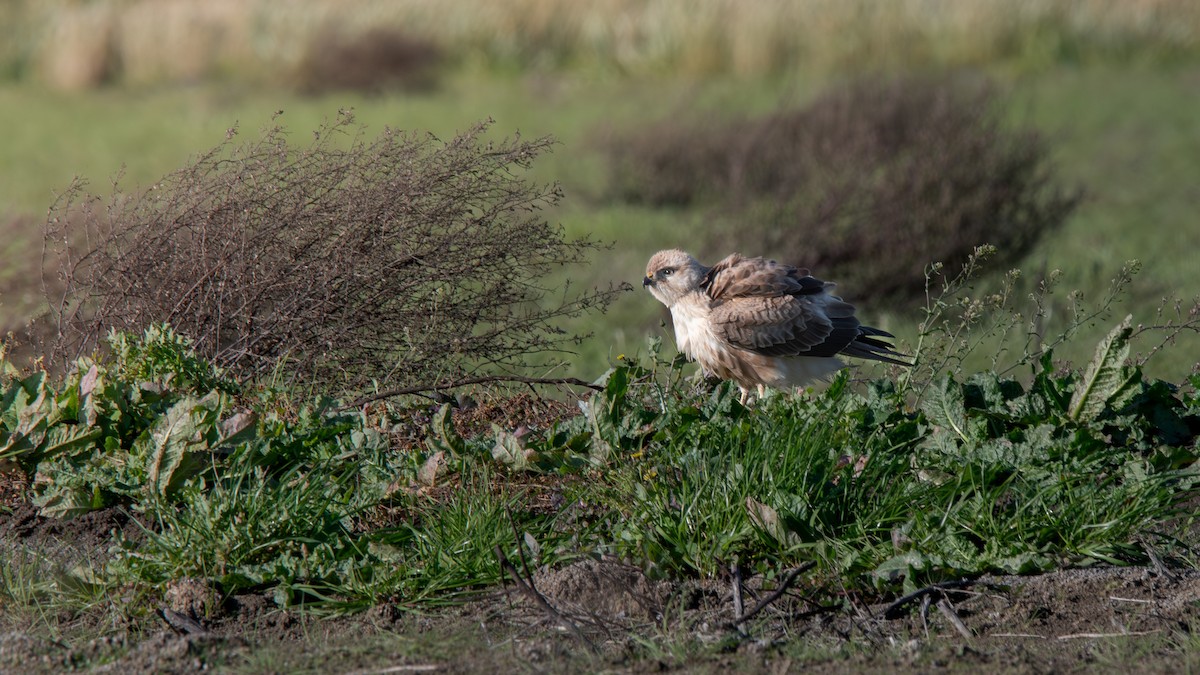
375 61
399 259
867 185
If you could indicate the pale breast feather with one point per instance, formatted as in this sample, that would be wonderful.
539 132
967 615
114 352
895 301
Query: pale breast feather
693 332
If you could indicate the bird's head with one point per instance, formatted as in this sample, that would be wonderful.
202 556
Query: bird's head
672 274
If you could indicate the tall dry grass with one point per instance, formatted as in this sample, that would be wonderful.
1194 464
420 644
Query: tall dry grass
74 44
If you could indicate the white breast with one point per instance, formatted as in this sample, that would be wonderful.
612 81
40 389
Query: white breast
693 332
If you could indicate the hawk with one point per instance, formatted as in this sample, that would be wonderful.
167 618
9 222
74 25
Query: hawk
758 322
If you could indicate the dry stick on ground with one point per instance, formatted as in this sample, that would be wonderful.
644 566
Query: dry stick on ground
774 595
1159 566
540 600
181 623
892 611
1098 636
485 379
947 611
738 623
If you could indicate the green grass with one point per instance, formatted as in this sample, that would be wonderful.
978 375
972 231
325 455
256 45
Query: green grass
44 590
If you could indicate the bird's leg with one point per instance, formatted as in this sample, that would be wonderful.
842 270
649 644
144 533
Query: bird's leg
745 394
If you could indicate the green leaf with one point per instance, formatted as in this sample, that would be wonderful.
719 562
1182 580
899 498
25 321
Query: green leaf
943 405
442 436
168 446
69 437
509 449
1105 375
1051 390
68 503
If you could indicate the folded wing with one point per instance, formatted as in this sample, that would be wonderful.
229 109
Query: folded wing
778 310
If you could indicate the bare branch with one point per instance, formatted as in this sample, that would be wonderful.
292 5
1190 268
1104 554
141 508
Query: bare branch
774 595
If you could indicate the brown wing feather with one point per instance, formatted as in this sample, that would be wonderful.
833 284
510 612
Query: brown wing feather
737 276
786 325
777 310
780 310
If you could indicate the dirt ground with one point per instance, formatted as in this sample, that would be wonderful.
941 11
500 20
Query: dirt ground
602 615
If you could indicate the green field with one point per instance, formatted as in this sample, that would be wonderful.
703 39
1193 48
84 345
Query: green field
1126 134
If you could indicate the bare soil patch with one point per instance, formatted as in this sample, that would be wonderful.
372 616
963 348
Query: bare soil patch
606 615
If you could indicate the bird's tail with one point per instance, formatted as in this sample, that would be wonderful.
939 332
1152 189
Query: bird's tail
869 345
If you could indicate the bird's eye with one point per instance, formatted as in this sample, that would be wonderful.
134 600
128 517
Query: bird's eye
667 271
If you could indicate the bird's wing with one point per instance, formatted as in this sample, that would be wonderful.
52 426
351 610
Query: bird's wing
777 310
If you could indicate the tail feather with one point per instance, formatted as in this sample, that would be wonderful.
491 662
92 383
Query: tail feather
867 345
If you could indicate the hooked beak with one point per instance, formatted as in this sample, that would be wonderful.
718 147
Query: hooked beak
647 281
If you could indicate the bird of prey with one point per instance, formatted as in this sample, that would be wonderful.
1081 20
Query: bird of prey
758 322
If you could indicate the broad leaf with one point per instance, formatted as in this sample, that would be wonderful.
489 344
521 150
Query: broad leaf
509 449
169 443
69 437
433 467
1105 375
767 519
943 405
442 436
67 503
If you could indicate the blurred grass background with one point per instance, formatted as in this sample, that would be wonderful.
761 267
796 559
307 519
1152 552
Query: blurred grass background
137 86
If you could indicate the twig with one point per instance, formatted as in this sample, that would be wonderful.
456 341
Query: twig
774 595
893 610
1084 636
738 608
181 623
947 611
404 668
1115 598
1157 561
540 600
485 379
1016 635
512 522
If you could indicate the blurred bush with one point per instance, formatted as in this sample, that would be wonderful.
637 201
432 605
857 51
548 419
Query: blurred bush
379 60
396 260
867 185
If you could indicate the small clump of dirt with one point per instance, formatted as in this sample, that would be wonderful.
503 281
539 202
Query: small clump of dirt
193 598
604 589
